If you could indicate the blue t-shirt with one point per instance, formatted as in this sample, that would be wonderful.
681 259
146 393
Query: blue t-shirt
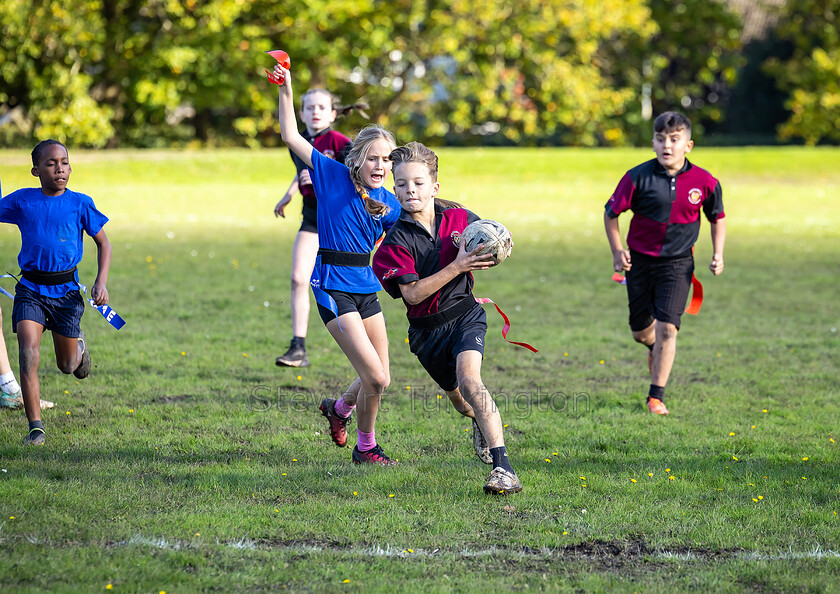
51 232
345 225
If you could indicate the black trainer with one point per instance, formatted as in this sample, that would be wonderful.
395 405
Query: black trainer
372 456
294 357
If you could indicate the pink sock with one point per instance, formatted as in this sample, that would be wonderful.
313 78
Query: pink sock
367 441
342 409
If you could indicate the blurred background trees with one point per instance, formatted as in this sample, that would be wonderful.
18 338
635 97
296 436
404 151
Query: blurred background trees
151 73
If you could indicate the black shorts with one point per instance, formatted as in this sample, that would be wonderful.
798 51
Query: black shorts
438 348
310 219
61 315
657 289
367 304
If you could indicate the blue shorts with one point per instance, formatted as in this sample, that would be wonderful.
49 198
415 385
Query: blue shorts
60 315
438 348
367 304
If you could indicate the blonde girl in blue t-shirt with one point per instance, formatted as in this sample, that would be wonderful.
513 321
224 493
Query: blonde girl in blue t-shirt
354 209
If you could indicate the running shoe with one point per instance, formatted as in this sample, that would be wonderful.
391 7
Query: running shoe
480 445
656 406
83 369
295 357
502 482
35 437
338 425
15 401
374 456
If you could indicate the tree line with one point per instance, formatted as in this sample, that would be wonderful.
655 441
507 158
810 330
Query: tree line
155 73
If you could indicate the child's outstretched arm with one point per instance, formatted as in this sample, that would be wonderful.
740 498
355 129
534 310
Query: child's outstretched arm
621 257
464 262
288 124
718 239
280 208
99 291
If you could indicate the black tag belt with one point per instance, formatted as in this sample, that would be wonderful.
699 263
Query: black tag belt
338 258
441 318
42 277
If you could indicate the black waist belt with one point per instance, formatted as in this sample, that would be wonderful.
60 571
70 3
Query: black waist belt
338 258
42 277
441 318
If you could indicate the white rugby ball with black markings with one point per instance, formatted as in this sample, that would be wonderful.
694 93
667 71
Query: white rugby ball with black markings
492 235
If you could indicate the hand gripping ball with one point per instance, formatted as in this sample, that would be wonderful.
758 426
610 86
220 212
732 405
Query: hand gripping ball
493 235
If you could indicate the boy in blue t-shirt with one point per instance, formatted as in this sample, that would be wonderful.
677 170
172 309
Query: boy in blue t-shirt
51 220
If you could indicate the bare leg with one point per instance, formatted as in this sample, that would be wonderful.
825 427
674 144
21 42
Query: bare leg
486 413
303 261
664 353
365 344
29 347
461 405
5 366
68 352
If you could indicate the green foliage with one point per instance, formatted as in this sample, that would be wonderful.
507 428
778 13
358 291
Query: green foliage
44 86
812 72
153 73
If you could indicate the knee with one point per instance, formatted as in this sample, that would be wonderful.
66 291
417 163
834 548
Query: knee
299 280
379 381
666 332
30 359
65 365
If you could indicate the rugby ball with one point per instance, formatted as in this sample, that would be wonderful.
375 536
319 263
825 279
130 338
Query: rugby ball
494 237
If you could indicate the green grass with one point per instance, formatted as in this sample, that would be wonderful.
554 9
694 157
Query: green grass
188 461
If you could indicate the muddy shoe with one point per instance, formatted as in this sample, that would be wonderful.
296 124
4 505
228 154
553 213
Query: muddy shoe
480 445
295 357
502 482
83 369
11 401
36 437
338 425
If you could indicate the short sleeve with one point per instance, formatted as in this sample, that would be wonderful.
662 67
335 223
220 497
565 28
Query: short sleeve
393 266
713 204
331 179
622 198
92 219
8 209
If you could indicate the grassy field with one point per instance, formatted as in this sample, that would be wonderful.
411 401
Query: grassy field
188 462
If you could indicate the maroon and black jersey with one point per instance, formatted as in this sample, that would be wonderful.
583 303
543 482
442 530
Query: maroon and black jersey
666 209
408 253
329 143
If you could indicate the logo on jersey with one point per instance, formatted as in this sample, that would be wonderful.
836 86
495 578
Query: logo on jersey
695 195
329 153
389 274
479 341
456 238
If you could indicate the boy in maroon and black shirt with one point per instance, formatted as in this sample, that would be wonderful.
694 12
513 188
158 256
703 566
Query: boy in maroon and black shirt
666 195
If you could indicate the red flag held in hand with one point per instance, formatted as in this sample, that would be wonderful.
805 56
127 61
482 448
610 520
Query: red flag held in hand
283 58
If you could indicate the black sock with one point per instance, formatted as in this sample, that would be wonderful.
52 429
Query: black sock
36 425
657 392
299 341
500 458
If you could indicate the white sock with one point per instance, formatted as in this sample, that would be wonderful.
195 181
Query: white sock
8 383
